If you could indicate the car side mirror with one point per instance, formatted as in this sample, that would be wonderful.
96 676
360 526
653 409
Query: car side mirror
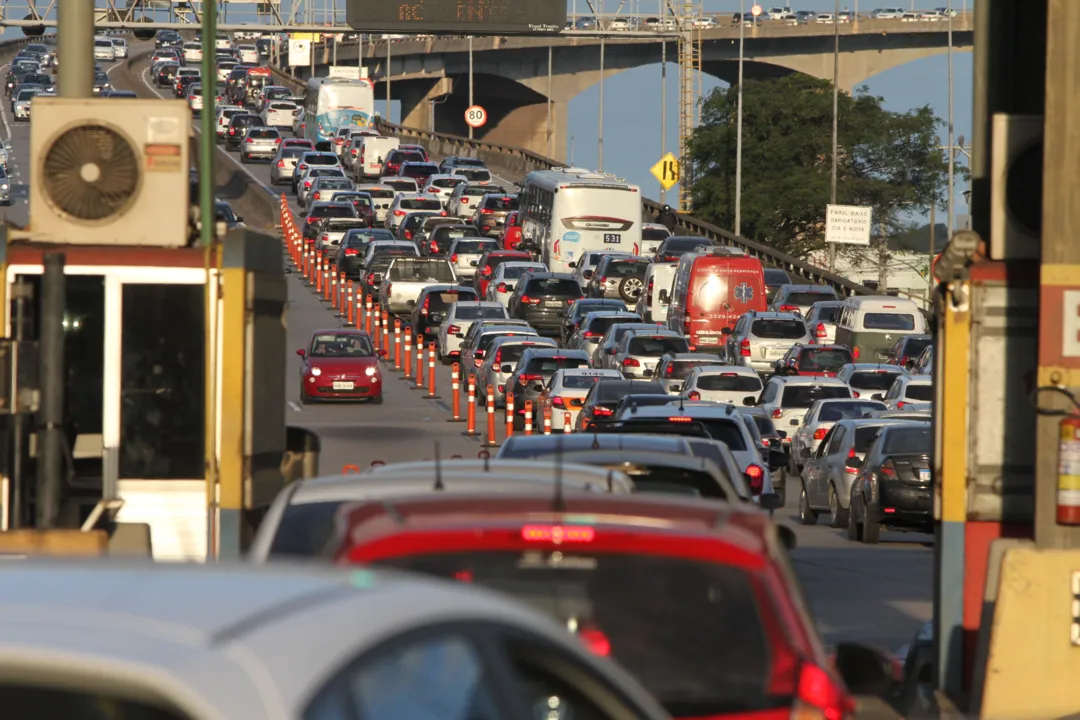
383 352
506 368
572 263
302 352
770 501
782 434
664 296
239 218
749 401
777 458
864 670
587 274
877 396
725 331
854 463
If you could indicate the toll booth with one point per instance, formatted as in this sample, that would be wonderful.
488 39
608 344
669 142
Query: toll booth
174 393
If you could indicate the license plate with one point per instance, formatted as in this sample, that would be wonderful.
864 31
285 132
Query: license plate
924 476
553 304
612 238
341 385
708 341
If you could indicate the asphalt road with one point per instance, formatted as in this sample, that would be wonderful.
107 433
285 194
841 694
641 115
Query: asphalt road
878 595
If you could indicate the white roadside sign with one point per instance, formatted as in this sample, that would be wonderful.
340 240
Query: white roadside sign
350 72
299 53
847 224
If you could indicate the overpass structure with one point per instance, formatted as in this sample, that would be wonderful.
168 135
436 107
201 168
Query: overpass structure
511 79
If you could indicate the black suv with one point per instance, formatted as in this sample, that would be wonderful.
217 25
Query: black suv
543 299
432 303
534 369
238 125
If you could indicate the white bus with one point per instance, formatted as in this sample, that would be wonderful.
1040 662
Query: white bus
334 102
568 212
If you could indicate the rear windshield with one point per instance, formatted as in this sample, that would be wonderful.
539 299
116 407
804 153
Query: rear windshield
654 234
679 369
805 299
419 171
922 393
548 365
779 329
477 190
514 272
776 276
420 270
335 183
320 160
452 233
501 203
655 346
733 382
729 432
447 182
803 396
580 382
611 391
662 479
834 412
829 313
475 247
420 204
710 657
825 359
341 345
360 238
289 152
477 174
407 185
511 352
872 379
599 325
407 156
381 193
903 440
686 244
437 302
325 172
304 530
626 268
864 435
479 312
563 287
334 211
764 425
251 120
913 348
889 321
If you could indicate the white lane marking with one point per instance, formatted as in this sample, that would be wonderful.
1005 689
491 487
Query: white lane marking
234 161
3 113
294 406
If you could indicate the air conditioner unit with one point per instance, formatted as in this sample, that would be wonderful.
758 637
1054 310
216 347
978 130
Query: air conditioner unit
110 171
1016 179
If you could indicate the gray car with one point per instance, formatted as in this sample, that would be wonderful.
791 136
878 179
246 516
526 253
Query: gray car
592 328
605 350
534 369
490 213
759 339
826 479
673 368
465 254
502 359
639 352
618 277
261 143
800 298
821 320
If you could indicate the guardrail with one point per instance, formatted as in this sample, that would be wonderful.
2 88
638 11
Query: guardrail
522 161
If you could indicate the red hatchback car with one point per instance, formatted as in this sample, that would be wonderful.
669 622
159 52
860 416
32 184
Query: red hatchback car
696 598
340 364
492 259
814 360
511 234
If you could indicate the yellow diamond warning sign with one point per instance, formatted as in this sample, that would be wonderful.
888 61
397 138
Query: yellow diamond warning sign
667 171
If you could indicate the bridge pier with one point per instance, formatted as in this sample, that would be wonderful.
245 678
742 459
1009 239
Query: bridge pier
421 101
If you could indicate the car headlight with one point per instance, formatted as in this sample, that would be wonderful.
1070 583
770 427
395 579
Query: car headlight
316 371
370 372
4 186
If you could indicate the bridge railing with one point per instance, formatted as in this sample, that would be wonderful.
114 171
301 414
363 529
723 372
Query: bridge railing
521 161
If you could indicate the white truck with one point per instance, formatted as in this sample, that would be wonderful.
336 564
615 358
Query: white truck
406 277
372 153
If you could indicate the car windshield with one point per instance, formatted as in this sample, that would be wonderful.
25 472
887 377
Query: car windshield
478 174
501 203
262 132
419 170
828 313
421 270
872 379
341 345
479 312
833 412
778 329
361 237
888 321
806 298
611 391
824 359
729 432
598 326
512 352
914 347
333 211
475 247
711 657
733 382
654 234
514 272
776 276
445 182
564 287
335 183
679 369
666 479
921 393
803 396
908 440
681 245
657 345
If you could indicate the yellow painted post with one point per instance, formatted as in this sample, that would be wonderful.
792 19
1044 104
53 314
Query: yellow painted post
231 471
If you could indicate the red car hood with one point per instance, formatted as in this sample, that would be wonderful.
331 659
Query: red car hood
343 365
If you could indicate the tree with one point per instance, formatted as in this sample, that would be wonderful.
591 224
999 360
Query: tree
887 160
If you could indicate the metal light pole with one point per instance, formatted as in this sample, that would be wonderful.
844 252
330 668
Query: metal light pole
389 117
952 152
550 134
76 49
738 123
208 146
663 110
470 82
600 138
835 123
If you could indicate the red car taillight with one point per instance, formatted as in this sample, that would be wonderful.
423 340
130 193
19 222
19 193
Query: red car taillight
820 433
351 252
486 271
789 308
756 476
819 331
630 362
744 348
529 301
501 287
281 163
777 413
694 395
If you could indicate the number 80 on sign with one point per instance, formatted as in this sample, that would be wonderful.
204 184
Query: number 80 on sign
475 116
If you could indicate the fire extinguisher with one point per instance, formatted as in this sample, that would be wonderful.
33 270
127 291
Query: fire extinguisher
1068 477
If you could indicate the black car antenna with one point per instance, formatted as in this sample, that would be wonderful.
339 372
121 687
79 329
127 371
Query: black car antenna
611 481
557 503
682 409
438 469
595 440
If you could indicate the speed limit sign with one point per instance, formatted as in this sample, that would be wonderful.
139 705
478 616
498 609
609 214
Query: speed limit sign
475 116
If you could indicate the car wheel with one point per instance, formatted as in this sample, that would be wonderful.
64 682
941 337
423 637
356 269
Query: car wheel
854 527
871 531
839 514
377 400
806 515
630 288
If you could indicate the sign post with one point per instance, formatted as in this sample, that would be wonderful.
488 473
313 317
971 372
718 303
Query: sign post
475 116
666 170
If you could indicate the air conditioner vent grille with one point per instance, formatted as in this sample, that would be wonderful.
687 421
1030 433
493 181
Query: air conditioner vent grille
91 173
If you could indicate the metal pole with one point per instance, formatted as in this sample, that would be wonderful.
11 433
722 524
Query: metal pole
470 83
50 433
835 124
600 121
16 494
389 117
76 49
933 252
663 110
207 146
549 129
952 152
738 124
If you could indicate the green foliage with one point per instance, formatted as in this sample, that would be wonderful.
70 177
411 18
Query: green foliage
887 160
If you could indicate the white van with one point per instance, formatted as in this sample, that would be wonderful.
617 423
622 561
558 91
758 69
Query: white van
870 325
372 153
653 304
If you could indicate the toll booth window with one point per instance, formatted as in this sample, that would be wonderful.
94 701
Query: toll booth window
162 386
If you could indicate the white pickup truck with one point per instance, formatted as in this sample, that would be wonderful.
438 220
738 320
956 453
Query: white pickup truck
407 276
